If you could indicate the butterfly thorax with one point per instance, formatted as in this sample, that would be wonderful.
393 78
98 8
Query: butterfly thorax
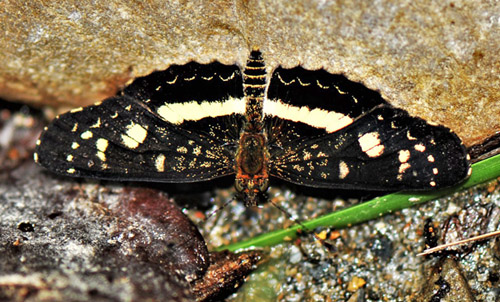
252 178
252 157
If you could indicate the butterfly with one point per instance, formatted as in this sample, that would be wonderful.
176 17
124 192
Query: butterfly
197 122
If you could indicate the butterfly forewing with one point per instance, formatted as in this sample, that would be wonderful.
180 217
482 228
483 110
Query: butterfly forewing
318 89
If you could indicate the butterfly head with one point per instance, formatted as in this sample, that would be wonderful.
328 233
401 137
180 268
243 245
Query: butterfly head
251 190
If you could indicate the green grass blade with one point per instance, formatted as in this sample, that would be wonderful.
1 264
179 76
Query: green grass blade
482 171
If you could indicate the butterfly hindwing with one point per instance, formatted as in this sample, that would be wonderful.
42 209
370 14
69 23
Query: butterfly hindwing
161 128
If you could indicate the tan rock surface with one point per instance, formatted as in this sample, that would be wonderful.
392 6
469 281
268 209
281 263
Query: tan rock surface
437 59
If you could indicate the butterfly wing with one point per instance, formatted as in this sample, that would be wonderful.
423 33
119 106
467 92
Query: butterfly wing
350 138
164 127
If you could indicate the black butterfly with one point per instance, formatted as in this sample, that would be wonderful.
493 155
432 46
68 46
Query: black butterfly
197 122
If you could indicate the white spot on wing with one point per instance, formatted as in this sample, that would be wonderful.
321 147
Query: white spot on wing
197 150
129 142
307 155
35 157
160 163
134 136
173 81
206 164
177 113
101 155
403 167
69 157
283 81
102 144
339 91
408 135
303 83
331 121
321 85
370 144
74 145
70 170
97 123
321 154
86 135
343 170
228 78
404 156
77 110
420 147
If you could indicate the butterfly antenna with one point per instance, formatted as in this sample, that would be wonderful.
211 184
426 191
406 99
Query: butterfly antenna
319 236
220 208
288 215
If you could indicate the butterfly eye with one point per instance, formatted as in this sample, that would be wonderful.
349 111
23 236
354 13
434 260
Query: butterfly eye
239 185
263 185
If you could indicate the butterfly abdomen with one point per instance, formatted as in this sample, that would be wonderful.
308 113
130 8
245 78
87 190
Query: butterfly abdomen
254 87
